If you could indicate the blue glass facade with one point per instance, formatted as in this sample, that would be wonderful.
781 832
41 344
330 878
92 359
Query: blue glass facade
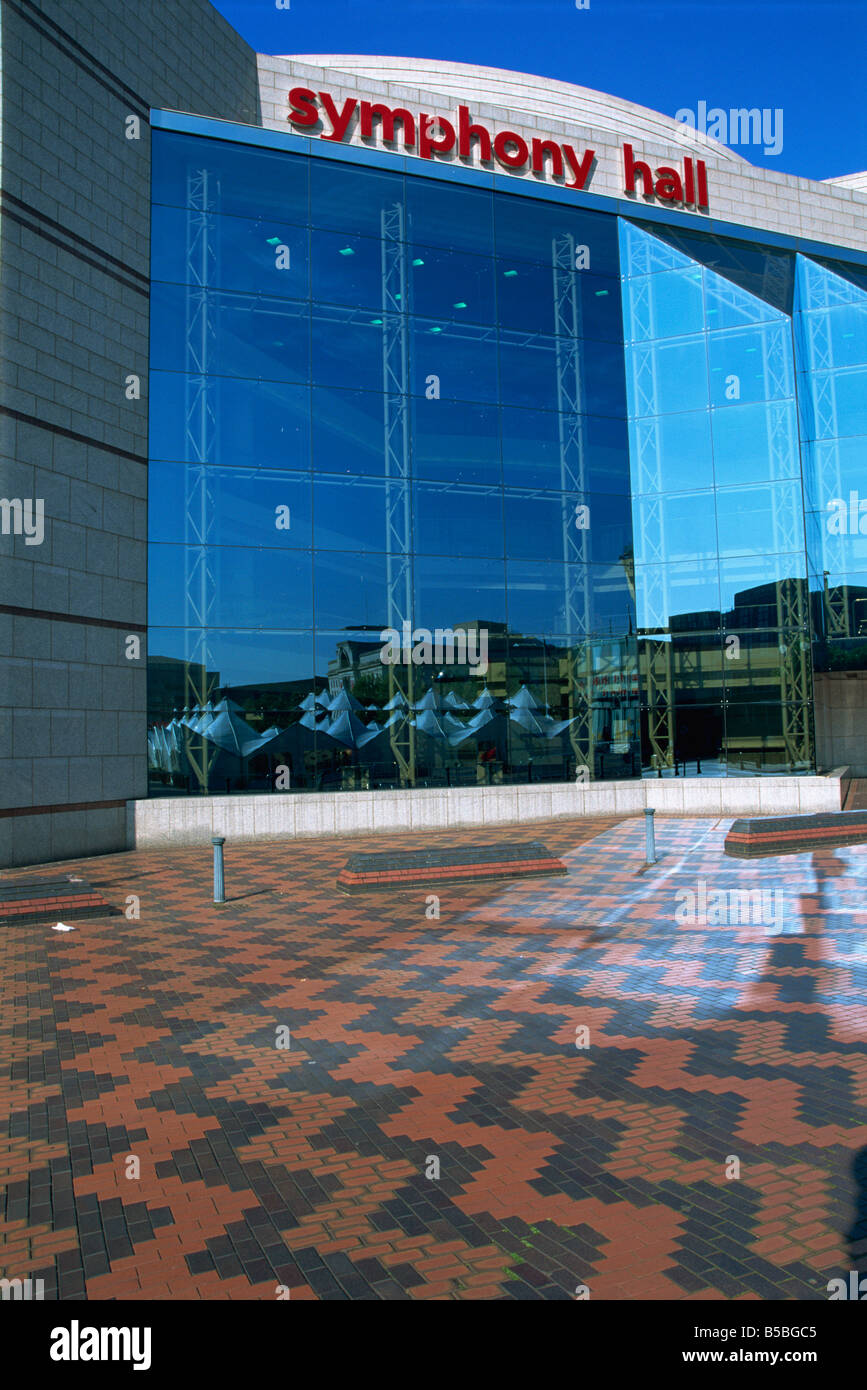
449 485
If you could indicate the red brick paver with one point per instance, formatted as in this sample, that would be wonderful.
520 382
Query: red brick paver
554 1083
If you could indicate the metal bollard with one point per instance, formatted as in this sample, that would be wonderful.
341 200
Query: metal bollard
219 891
650 852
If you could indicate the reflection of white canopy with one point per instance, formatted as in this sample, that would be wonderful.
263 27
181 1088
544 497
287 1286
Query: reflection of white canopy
538 725
308 703
347 728
344 701
524 699
397 701
231 732
454 701
206 717
428 723
483 700
428 701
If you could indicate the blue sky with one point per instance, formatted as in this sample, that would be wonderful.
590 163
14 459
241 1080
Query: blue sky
805 58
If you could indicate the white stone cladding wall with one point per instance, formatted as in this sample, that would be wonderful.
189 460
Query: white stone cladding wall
74 313
739 192
193 820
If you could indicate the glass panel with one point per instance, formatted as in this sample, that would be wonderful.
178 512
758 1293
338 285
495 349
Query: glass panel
223 709
600 308
440 214
228 421
350 514
557 598
226 586
679 597
348 431
672 453
534 442
216 176
462 359
751 364
347 348
846 394
269 671
543 526
756 739
458 593
748 518
232 506
667 377
688 521
447 285
250 336
762 272
268 256
346 197
753 664
350 590
728 306
751 588
525 297
346 269
452 519
527 230
528 371
454 441
699 746
752 443
669 304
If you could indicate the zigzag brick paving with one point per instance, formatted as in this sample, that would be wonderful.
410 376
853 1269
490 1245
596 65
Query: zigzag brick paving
455 1038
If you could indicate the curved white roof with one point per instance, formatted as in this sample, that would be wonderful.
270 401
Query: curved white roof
522 93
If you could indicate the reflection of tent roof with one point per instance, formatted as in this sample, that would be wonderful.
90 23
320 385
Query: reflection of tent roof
205 718
427 722
344 701
454 701
483 700
347 729
428 701
397 701
538 725
231 732
323 699
523 699
308 703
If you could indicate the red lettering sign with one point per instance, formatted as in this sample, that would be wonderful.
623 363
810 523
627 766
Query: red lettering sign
432 135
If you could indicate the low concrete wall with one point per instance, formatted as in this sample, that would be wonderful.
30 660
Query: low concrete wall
192 820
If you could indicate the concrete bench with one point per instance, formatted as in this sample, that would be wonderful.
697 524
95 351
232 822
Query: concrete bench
423 869
50 900
755 837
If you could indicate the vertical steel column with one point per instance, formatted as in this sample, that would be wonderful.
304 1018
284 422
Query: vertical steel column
201 435
395 372
649 517
573 479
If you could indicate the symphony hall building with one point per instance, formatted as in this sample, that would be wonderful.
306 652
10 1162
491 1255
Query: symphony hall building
391 442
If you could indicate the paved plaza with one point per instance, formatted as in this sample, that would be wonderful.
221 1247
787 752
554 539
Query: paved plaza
631 1081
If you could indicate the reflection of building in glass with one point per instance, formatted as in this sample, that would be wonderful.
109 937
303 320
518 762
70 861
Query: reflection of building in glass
452 410
448 415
